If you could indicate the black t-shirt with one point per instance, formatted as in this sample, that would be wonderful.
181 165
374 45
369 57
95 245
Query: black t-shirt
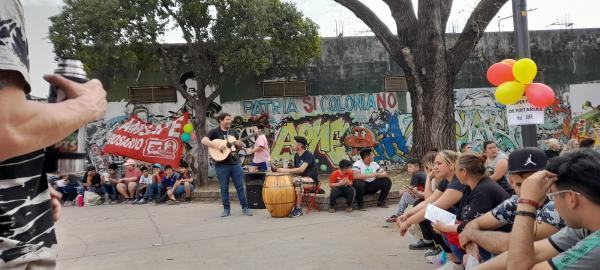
218 133
483 198
454 184
311 170
418 180
95 180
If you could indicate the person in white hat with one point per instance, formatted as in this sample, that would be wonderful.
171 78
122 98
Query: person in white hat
128 184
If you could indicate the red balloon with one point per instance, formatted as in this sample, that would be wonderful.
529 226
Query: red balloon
539 95
500 73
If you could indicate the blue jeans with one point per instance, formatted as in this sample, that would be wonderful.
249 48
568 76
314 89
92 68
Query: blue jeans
235 172
151 189
111 190
405 200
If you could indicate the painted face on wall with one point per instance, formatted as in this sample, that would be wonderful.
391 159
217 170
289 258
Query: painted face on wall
360 137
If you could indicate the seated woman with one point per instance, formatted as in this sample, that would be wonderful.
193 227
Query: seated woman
447 196
91 182
481 195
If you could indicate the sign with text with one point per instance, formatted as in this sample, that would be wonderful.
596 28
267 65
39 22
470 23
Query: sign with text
523 113
148 142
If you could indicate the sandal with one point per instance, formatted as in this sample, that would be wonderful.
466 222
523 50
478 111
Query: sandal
391 219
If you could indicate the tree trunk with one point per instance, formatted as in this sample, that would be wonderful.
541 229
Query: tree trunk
433 115
202 158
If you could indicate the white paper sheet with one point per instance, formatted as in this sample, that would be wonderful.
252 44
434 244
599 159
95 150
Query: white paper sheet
435 214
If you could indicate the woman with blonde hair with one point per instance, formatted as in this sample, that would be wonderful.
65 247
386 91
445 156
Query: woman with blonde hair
447 195
552 148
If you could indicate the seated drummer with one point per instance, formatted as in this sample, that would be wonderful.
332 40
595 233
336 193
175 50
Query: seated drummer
305 167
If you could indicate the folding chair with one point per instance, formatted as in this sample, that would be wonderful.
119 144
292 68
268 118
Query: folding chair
309 198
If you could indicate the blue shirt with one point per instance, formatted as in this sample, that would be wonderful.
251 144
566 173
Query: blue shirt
169 181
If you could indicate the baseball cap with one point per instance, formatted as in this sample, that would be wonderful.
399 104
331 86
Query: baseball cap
156 165
129 162
527 160
301 140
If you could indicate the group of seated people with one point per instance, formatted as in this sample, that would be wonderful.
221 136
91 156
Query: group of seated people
549 222
134 186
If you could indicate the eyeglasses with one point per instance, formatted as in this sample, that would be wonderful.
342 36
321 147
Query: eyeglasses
551 196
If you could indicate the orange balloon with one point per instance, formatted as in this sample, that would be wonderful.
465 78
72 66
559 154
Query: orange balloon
509 62
500 73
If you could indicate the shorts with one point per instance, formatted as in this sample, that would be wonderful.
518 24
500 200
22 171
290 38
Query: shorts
262 166
181 189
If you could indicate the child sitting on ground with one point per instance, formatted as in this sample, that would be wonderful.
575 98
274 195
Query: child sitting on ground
413 191
340 182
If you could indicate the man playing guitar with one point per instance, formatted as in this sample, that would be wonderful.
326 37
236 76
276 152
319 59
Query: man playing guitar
220 138
305 167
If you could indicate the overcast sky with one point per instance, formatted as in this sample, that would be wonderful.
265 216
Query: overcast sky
333 19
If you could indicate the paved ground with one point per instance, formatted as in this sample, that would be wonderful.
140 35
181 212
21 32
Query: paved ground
192 236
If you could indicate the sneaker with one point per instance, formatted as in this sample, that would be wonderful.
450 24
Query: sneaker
421 245
432 252
247 212
172 202
349 210
141 201
134 202
450 265
331 210
362 208
391 219
111 202
226 213
295 213
188 200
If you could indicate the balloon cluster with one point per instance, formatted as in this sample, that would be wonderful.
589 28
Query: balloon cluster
187 132
515 79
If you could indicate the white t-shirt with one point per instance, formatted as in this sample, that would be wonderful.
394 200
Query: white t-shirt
361 167
146 180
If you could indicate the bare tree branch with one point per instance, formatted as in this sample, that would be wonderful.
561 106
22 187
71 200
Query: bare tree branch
381 31
406 20
482 15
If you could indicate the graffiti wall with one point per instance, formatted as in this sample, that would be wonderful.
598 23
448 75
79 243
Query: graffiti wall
585 110
337 126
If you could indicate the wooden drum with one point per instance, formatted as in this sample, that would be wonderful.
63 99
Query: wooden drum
278 194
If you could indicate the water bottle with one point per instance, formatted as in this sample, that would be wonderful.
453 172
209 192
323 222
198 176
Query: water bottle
80 200
67 156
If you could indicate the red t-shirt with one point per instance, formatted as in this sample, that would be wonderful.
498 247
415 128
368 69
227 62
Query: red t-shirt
337 175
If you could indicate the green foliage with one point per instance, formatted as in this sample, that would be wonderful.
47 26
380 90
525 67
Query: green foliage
234 36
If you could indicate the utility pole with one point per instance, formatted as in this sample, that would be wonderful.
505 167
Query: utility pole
519 7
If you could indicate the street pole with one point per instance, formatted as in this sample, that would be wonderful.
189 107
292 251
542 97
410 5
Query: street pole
519 7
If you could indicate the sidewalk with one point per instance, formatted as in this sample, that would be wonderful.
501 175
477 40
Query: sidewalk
192 236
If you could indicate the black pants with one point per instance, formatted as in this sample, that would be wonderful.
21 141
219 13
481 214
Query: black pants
429 234
347 192
383 184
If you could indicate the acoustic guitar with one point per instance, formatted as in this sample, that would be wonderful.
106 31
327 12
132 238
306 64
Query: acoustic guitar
220 155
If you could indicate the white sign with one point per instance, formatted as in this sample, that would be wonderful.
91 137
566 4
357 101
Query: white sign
523 113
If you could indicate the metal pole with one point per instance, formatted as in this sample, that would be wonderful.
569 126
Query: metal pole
519 7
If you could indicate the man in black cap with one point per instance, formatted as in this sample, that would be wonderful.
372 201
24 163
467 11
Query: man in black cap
521 164
305 166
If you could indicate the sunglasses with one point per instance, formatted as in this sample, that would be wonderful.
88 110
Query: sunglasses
552 195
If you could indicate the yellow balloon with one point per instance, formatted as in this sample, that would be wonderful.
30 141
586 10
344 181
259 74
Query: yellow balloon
510 92
525 70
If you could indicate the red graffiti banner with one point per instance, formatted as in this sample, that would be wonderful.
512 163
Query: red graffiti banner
142 141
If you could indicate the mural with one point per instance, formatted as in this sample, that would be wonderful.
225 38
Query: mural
338 126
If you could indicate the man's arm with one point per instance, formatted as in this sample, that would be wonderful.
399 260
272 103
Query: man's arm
357 175
543 251
521 251
28 126
500 170
298 170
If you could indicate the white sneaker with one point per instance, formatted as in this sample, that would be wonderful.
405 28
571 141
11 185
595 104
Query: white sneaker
451 266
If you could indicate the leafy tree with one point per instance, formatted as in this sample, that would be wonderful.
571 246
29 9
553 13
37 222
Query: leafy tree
429 62
260 37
